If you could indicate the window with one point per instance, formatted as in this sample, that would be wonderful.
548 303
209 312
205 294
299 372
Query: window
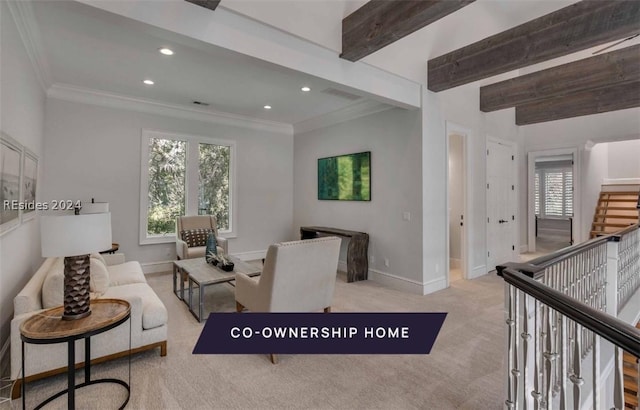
184 175
553 191
213 182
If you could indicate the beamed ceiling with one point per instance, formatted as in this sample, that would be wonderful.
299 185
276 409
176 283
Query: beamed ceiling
605 82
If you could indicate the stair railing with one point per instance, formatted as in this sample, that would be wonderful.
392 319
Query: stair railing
558 310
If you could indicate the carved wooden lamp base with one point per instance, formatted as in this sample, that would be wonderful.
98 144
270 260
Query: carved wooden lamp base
76 287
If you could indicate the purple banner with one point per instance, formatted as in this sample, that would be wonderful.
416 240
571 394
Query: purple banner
323 333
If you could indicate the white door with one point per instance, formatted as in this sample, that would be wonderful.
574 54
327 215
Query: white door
501 202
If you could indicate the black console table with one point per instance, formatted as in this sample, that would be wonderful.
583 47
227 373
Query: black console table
357 252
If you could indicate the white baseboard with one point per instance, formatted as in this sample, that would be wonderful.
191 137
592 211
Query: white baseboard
407 285
4 358
455 263
157 267
524 248
251 256
477 272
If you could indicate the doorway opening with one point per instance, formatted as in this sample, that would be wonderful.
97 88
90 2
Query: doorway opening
553 202
457 215
553 213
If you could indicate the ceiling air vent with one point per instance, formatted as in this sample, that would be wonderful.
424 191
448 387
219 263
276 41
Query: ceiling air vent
342 94
204 104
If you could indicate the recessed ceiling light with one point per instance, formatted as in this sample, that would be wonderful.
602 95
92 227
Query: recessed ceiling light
148 82
166 51
267 107
306 89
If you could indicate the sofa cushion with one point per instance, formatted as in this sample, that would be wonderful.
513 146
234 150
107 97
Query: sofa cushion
53 286
154 313
99 257
99 275
126 273
195 237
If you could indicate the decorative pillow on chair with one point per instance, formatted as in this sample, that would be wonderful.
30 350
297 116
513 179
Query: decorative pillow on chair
195 237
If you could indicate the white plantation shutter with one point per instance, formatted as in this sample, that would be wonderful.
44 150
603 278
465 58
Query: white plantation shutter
568 192
553 193
537 192
553 189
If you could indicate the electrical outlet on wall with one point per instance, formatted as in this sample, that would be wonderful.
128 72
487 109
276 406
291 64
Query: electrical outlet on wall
386 262
372 259
406 216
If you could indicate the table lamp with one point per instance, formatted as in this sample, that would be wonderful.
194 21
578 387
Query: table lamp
74 237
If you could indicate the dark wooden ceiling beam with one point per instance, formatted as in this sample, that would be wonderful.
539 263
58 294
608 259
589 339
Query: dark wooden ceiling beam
570 29
604 70
209 4
381 22
613 98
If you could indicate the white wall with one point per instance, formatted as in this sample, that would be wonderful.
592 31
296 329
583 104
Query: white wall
394 139
22 117
624 159
94 152
456 197
460 106
595 166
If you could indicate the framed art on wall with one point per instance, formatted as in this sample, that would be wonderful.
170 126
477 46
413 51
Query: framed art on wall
10 168
29 182
345 177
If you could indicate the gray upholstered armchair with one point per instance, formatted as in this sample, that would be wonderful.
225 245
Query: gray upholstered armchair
190 231
297 276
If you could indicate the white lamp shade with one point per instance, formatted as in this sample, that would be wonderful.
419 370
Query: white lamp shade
73 235
94 208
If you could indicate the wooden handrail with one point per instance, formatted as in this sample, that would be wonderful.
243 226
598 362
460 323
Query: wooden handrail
609 327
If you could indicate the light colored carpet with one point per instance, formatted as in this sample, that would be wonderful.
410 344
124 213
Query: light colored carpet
463 371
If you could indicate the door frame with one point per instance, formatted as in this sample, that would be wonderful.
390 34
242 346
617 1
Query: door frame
531 169
465 264
516 209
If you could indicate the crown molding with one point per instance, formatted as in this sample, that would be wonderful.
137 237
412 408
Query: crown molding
22 14
351 112
84 95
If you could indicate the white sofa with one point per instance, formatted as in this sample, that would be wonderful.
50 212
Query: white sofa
119 280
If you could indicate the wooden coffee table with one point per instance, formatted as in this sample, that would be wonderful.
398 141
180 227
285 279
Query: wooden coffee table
203 274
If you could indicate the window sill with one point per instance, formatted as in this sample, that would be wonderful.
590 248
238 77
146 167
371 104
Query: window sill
158 239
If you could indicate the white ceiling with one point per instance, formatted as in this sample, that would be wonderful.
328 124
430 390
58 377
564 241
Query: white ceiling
94 49
90 48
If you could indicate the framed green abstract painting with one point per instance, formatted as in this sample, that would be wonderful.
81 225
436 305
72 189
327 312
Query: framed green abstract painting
345 177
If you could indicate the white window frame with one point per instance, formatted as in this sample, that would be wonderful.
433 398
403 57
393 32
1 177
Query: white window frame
191 181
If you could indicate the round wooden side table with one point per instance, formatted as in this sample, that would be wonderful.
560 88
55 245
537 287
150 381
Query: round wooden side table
48 328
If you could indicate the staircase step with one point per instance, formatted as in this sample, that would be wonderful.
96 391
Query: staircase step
630 384
600 216
616 208
612 225
630 400
619 199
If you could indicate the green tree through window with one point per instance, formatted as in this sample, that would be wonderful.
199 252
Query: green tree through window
167 172
213 188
